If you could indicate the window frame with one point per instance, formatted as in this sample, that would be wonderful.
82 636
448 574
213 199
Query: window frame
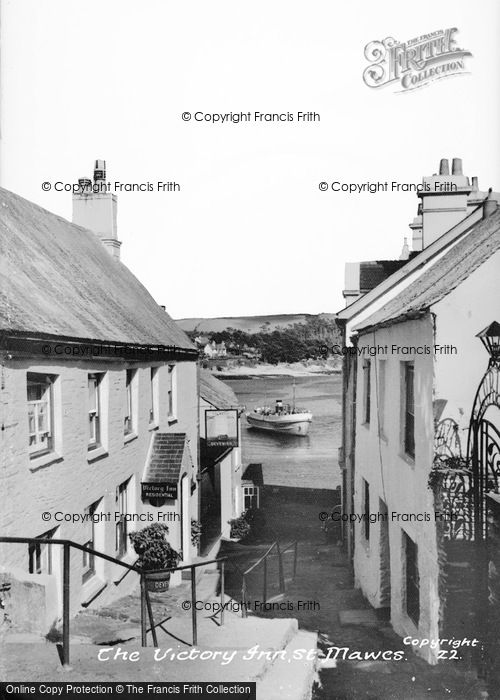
121 526
38 551
407 416
252 492
97 377
153 405
411 579
366 509
46 381
129 419
172 392
88 559
367 368
381 394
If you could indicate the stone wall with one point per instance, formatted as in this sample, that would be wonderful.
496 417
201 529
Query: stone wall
72 478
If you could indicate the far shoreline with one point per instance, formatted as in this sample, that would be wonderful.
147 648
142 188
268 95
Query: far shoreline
282 369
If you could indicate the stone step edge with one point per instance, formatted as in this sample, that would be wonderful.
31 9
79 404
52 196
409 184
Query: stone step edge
289 630
291 678
129 634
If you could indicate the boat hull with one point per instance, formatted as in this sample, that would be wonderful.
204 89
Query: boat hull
289 424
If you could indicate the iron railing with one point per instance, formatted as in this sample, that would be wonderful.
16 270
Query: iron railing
145 600
274 551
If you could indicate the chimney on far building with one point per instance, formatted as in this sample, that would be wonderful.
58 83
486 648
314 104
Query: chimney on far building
416 230
405 253
352 282
444 202
490 205
94 208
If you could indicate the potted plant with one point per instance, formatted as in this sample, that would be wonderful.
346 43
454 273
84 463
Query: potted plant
256 519
196 529
155 555
240 527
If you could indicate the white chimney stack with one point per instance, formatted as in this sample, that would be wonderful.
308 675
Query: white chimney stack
444 200
94 207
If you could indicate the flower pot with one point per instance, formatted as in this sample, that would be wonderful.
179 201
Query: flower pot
157 581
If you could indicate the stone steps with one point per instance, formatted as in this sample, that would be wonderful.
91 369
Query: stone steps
235 633
250 649
291 677
247 649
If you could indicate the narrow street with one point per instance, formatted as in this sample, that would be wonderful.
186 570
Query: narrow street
344 619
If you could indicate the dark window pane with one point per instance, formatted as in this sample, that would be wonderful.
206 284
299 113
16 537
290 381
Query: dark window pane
409 416
366 509
412 580
367 390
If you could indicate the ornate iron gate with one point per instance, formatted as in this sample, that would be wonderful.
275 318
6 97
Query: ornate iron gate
453 474
469 543
483 452
483 449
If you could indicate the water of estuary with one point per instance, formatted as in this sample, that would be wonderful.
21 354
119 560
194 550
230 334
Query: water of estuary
288 460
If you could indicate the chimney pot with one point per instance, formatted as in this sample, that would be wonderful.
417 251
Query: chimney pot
100 170
85 183
475 184
405 252
444 167
456 168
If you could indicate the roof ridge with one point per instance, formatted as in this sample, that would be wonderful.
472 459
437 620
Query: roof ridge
454 234
446 274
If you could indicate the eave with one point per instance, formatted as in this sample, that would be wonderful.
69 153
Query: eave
21 344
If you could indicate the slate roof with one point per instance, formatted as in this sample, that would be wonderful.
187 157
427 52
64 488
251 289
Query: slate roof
165 461
254 474
57 278
416 261
217 393
372 273
482 241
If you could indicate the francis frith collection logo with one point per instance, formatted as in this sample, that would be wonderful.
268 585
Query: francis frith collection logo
416 62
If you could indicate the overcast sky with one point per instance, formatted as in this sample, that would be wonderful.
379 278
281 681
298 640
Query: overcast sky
249 232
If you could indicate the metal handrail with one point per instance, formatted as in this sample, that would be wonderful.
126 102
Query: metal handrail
145 600
118 581
281 576
264 556
70 543
262 559
293 545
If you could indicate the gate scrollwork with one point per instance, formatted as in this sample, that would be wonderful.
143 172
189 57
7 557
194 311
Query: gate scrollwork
451 480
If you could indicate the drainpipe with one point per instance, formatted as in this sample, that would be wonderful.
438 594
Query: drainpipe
198 446
354 340
341 324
